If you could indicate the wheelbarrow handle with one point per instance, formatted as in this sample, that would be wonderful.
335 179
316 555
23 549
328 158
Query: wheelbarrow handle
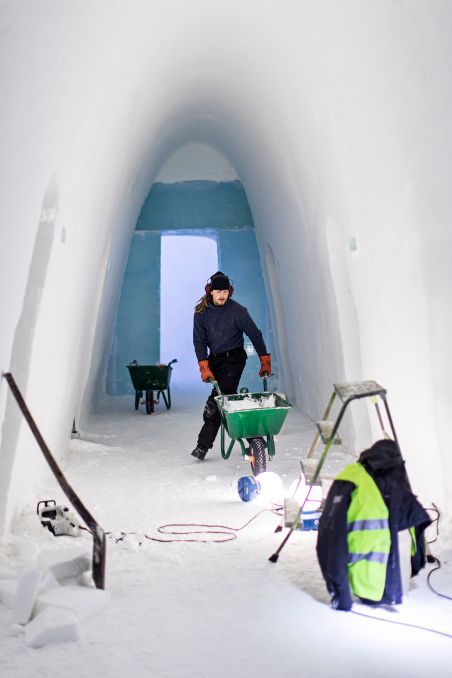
218 390
216 387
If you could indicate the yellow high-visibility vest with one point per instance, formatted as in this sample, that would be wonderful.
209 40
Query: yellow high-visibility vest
368 535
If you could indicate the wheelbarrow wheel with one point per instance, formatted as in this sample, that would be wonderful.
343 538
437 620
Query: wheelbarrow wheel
149 401
257 455
138 395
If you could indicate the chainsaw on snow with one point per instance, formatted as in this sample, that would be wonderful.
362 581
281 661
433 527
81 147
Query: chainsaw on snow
58 519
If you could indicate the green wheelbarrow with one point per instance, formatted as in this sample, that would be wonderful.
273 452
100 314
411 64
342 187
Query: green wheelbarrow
254 424
149 378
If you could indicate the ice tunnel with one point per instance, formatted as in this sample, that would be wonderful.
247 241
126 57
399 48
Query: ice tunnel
333 117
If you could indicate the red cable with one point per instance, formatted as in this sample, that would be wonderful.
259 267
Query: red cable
228 532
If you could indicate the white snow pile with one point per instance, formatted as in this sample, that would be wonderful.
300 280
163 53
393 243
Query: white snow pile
190 609
49 602
249 403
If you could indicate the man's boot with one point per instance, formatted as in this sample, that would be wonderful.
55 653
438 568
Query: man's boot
199 452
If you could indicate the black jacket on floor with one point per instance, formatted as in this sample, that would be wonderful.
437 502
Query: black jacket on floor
385 465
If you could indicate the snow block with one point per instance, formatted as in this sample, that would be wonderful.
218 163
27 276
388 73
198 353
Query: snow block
8 589
48 582
82 601
24 599
71 581
52 626
16 630
25 550
65 563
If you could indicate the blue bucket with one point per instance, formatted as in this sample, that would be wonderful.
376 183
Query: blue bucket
309 520
247 488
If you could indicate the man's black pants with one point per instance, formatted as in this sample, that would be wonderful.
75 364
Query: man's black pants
227 369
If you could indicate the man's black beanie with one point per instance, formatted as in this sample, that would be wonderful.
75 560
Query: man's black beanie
220 281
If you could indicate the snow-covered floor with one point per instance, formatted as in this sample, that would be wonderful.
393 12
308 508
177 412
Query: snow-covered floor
194 610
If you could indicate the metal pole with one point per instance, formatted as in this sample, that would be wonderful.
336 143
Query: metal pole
99 543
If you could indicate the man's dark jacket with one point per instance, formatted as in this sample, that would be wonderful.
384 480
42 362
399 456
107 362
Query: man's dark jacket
221 329
385 465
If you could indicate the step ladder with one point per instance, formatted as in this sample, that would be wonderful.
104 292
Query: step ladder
327 431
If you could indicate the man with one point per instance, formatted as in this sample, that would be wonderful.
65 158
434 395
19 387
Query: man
218 326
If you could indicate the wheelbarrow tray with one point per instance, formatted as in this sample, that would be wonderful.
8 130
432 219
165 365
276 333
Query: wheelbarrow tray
145 377
265 421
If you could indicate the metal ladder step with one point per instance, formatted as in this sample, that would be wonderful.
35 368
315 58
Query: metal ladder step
326 429
358 389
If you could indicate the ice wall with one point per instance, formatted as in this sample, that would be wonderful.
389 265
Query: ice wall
217 210
336 116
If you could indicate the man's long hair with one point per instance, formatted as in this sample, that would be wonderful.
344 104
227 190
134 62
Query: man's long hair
202 304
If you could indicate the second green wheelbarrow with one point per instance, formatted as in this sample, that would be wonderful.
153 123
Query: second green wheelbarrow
258 424
149 378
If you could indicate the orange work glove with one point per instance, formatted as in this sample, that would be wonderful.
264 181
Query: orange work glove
206 372
266 365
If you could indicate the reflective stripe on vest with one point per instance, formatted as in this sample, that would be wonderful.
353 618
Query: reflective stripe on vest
369 539
373 524
413 541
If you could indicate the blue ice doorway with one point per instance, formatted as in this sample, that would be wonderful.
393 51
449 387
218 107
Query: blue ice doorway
187 261
168 264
